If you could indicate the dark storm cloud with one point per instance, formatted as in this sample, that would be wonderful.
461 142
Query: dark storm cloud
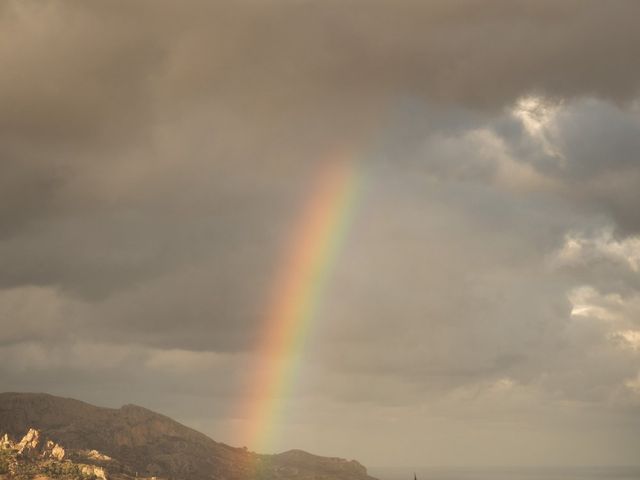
85 85
154 157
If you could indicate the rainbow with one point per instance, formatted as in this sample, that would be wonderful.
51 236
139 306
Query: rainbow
299 286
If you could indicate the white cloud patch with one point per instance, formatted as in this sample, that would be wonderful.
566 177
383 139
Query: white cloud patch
627 339
586 301
537 115
581 249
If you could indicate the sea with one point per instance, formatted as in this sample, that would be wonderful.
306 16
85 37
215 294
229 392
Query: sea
508 473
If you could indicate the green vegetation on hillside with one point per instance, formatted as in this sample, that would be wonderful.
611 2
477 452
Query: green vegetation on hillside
26 469
4 462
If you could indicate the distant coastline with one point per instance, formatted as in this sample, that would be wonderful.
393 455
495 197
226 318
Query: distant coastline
608 472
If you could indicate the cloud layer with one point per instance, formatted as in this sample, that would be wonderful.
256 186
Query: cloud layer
154 158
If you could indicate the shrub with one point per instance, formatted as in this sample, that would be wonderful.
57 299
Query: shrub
4 462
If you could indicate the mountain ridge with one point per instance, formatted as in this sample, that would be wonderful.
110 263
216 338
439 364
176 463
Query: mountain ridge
153 444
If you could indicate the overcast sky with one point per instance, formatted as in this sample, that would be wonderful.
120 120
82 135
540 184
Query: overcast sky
485 308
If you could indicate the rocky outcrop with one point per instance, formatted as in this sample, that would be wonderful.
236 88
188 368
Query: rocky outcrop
134 441
96 455
31 447
6 443
53 450
28 446
31 458
93 471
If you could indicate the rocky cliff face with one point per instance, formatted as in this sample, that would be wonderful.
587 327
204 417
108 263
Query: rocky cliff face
133 440
33 458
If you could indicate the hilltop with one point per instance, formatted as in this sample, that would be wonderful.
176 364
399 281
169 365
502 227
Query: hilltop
133 441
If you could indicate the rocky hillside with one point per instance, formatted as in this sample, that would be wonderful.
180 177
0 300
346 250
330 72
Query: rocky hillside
35 458
132 441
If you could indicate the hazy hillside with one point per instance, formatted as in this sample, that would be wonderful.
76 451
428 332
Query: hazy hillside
150 444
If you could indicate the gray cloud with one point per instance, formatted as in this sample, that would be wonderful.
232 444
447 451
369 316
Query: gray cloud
155 157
